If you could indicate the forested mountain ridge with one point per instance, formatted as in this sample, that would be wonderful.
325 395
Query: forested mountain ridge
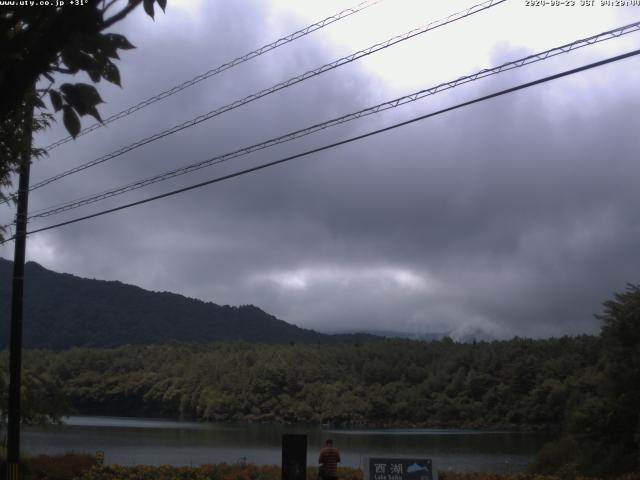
63 311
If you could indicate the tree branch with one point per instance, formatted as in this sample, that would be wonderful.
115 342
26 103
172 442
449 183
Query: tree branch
61 70
108 5
120 15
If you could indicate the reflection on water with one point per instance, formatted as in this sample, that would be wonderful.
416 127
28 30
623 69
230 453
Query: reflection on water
416 431
126 422
130 441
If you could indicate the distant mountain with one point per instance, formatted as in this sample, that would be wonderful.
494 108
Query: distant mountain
469 336
425 337
63 311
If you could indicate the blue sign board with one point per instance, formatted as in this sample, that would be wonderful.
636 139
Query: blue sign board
400 469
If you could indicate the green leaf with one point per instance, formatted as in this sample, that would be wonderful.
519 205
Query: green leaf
82 97
56 100
70 59
84 61
93 73
93 111
86 94
72 54
148 7
118 41
106 46
110 73
71 121
163 4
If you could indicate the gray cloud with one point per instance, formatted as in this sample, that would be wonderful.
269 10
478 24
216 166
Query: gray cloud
514 217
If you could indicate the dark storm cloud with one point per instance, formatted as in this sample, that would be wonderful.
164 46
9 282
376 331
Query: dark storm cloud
516 216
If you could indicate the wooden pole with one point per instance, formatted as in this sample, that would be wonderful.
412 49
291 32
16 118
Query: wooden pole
15 345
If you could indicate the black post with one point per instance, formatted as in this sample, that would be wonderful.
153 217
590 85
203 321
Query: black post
15 345
294 457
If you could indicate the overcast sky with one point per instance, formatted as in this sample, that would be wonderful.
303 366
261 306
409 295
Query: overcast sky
516 216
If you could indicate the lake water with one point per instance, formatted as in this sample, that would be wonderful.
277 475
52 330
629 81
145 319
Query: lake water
128 441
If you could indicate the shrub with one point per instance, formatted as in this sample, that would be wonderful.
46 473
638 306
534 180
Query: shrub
59 467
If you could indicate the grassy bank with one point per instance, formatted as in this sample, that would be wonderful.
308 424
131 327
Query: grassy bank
73 466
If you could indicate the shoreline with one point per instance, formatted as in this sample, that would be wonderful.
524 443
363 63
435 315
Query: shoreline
346 426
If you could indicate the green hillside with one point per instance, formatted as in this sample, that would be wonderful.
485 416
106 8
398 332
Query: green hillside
64 311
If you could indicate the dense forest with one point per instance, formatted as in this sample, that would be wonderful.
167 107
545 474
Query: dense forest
520 382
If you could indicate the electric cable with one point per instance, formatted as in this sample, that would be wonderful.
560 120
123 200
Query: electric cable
221 68
530 59
292 81
344 142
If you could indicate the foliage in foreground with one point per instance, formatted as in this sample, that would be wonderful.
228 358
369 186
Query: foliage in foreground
73 466
78 466
560 476
38 45
602 424
67 466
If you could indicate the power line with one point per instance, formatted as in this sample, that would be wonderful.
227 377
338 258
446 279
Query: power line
614 33
343 142
292 81
221 68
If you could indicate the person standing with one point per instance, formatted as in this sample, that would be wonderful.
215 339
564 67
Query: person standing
329 459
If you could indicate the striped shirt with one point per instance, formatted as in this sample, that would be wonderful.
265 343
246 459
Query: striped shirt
329 459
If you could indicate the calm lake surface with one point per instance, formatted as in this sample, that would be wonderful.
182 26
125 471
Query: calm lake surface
129 441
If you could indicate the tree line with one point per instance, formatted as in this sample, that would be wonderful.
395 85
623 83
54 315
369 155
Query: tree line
523 383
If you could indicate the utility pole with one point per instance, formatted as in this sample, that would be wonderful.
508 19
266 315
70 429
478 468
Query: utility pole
15 345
